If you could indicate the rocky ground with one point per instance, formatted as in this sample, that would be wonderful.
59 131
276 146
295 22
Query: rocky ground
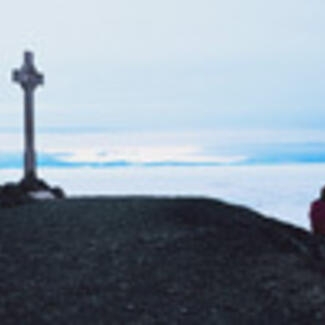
156 261
26 191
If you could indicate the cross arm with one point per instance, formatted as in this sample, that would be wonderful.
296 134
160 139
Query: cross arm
27 79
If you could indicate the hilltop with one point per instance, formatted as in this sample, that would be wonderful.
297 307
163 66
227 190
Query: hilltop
142 260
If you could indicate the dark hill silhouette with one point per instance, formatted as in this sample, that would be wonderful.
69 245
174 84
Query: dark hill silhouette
156 261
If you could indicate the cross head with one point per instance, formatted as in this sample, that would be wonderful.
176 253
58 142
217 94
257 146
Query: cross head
27 76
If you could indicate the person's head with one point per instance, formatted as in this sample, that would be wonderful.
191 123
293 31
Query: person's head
322 194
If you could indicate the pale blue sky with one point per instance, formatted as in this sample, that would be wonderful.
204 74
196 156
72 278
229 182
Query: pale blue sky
141 65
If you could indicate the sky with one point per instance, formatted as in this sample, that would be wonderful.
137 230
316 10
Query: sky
166 65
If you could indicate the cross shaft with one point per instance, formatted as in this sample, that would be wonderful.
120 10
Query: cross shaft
29 78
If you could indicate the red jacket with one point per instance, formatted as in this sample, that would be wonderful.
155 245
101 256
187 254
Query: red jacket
317 217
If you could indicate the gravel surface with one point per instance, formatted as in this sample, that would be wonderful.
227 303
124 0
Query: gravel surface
145 260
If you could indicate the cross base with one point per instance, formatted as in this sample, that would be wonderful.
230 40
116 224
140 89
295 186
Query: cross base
26 191
31 183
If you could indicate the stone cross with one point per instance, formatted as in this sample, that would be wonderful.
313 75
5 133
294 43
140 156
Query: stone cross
29 78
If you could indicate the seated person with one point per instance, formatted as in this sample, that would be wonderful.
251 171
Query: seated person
317 214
